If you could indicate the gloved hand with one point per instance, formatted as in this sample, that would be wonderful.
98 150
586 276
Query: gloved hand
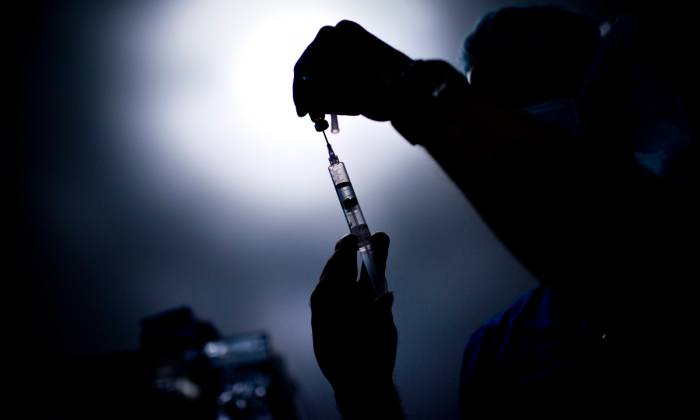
348 71
354 334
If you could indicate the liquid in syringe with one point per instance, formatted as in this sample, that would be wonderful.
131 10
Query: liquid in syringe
356 220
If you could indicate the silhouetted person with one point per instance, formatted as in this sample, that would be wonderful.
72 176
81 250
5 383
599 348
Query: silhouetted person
572 152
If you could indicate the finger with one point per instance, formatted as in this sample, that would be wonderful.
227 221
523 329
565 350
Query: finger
380 244
351 30
315 60
321 75
302 87
304 68
298 88
384 302
340 272
380 310
298 95
343 262
364 290
385 333
349 25
381 316
324 33
348 241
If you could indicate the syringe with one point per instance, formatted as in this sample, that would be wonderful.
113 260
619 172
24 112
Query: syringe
355 218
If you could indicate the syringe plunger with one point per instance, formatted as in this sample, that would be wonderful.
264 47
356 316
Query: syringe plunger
334 123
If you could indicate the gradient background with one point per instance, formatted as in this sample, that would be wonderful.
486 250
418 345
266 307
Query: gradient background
161 163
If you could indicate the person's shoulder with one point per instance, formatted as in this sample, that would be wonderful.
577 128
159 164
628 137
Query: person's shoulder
525 305
523 312
496 332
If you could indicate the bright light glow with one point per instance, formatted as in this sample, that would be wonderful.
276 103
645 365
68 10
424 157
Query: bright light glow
212 98
210 104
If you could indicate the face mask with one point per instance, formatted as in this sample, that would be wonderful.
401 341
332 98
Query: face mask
564 112
660 132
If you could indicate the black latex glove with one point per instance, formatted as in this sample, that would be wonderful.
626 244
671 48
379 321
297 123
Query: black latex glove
354 334
348 71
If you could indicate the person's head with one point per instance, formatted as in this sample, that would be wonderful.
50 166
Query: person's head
528 55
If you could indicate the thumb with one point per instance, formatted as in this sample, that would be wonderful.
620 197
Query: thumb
380 313
384 302
380 244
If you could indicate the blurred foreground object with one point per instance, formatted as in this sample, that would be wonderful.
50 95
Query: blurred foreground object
184 370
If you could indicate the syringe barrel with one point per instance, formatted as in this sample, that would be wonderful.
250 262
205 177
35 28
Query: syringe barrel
376 273
357 225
